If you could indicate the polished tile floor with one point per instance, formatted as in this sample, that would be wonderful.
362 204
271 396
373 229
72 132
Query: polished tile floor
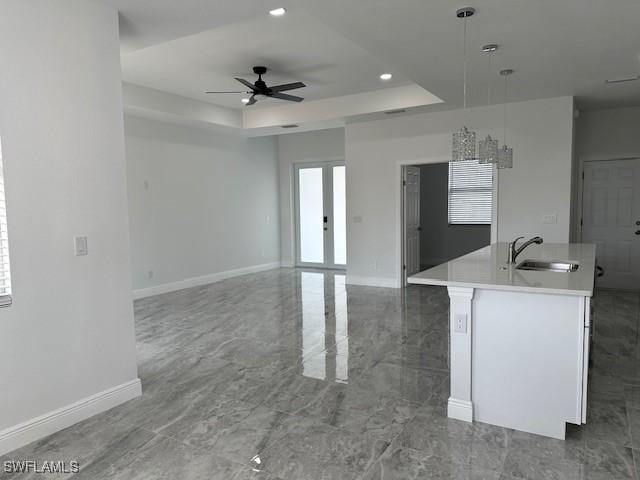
290 375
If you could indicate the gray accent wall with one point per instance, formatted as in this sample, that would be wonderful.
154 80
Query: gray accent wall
439 241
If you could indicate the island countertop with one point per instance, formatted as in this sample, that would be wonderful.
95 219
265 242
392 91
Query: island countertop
487 268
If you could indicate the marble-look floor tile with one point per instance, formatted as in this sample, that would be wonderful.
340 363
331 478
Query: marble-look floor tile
405 464
356 410
318 451
408 383
293 375
606 422
594 459
476 445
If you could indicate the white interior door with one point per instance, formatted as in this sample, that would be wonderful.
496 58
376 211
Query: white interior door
321 237
411 184
611 219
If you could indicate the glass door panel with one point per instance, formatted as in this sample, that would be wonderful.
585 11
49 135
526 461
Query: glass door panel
311 213
339 216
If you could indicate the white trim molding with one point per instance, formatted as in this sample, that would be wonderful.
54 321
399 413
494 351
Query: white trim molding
460 409
26 432
372 281
460 404
202 280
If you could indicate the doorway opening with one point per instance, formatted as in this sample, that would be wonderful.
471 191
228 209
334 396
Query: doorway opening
447 212
321 215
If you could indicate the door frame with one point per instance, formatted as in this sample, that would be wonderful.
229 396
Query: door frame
327 199
580 193
400 217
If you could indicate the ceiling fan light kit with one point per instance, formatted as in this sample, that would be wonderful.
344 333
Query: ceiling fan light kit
260 88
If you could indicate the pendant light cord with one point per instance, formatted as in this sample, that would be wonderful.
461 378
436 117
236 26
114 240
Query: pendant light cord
464 65
504 135
489 79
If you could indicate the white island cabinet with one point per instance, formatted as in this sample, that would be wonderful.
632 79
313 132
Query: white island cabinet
519 338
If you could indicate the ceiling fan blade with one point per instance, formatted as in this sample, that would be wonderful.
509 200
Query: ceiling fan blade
284 96
252 100
245 83
287 86
238 91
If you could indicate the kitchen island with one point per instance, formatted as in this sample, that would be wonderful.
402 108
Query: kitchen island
519 338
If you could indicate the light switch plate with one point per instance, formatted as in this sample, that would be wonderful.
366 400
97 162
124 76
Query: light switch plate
81 246
550 219
460 322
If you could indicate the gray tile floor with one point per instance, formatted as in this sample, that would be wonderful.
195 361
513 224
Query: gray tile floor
289 375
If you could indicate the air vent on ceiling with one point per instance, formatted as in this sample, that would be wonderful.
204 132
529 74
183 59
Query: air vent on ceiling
393 112
623 80
292 125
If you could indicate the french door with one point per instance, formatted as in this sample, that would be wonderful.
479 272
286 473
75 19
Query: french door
321 216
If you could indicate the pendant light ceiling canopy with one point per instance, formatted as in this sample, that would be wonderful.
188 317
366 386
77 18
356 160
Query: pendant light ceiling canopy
464 141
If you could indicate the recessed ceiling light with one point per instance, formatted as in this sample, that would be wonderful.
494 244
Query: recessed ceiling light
386 76
277 12
245 100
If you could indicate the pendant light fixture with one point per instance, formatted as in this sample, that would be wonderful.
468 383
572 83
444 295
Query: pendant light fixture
505 154
464 140
488 148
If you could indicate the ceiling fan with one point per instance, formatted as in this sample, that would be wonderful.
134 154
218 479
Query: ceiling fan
261 88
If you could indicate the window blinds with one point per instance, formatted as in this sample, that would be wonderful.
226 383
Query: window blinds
470 193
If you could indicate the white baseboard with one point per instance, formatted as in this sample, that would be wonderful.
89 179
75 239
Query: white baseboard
460 409
26 432
287 264
372 281
203 280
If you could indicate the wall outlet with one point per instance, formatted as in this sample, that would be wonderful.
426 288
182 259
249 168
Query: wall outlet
357 219
460 322
550 219
150 274
81 246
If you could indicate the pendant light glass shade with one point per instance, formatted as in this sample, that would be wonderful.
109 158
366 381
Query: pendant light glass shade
463 146
488 149
505 157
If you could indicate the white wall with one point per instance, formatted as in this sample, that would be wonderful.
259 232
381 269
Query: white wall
607 134
540 182
321 145
69 333
201 203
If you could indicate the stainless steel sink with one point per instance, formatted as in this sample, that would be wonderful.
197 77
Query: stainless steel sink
548 266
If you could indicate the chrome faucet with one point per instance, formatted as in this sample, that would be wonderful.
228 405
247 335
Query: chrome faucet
514 252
